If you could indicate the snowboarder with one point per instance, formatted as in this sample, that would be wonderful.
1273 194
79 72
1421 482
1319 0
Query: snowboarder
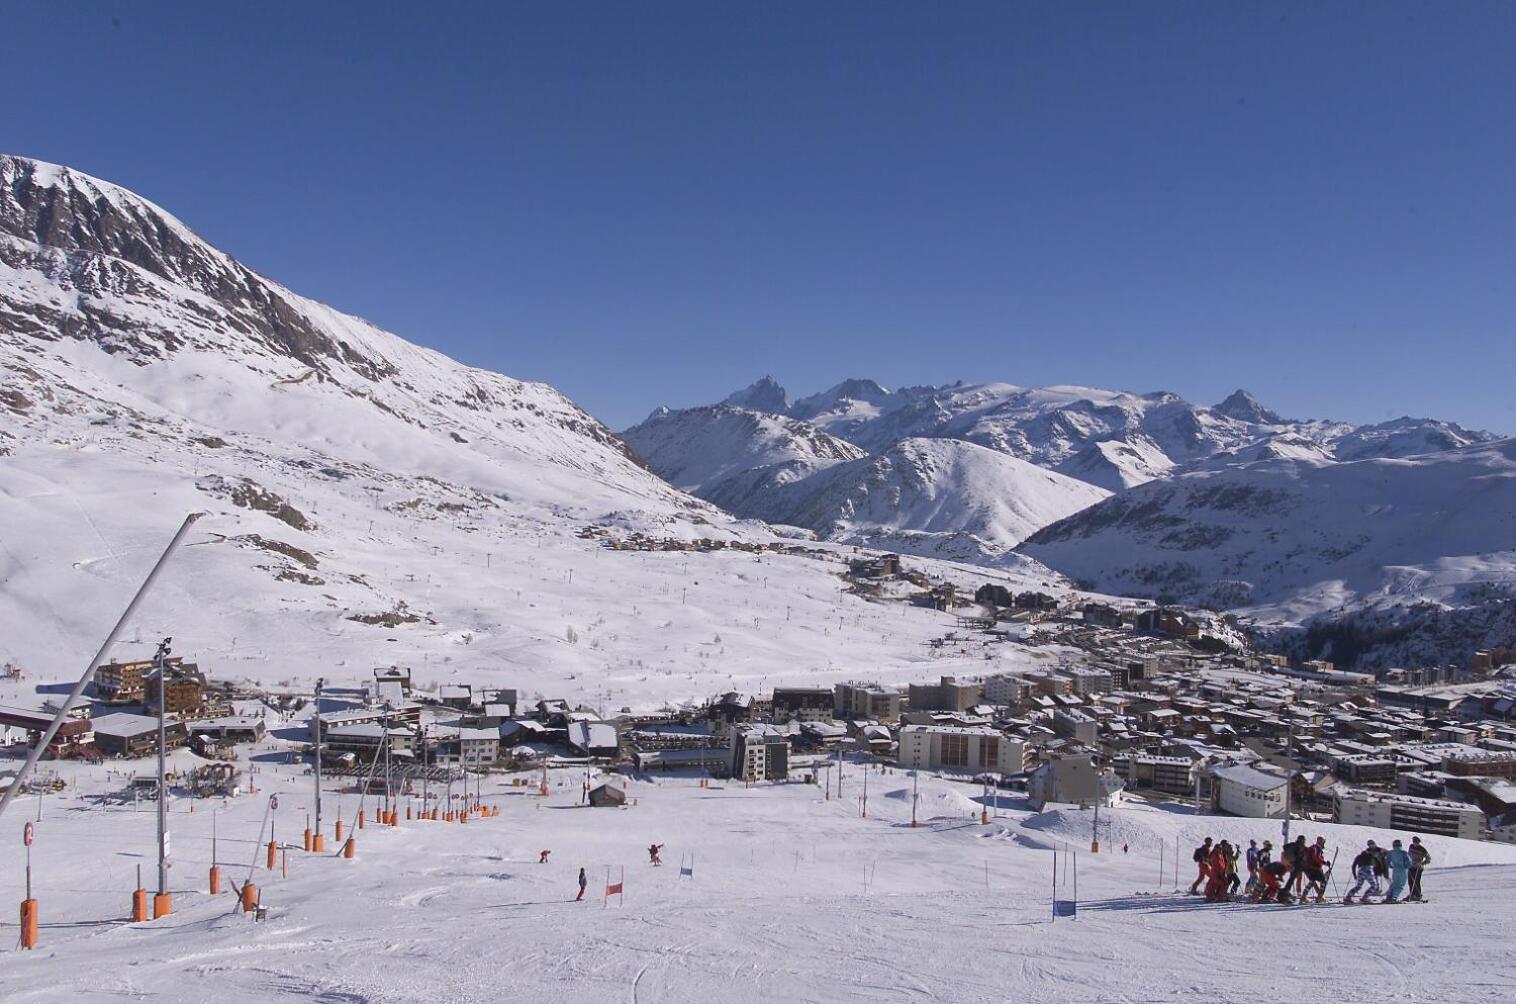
1202 856
584 881
1365 872
1420 858
1400 869
542 858
652 853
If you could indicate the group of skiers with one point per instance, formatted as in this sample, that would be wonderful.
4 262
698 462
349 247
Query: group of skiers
1302 870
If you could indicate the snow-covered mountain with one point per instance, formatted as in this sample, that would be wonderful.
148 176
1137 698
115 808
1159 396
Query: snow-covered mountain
1292 538
700 450
370 502
940 497
1111 440
113 313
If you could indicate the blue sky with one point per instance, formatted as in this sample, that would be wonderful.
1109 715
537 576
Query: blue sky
657 202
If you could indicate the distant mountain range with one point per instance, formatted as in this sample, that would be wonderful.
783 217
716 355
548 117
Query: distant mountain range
1229 505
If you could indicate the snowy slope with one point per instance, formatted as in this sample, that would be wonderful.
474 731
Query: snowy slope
1301 536
791 897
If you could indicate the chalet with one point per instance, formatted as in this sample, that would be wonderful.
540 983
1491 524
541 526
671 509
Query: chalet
606 796
456 695
595 739
731 707
395 675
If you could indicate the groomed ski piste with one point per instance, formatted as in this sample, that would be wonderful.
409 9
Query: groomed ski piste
792 897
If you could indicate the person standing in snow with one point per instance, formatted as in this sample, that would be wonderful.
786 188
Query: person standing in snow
1202 858
1400 870
584 881
1420 858
1366 872
1251 861
652 853
1271 883
1217 867
1316 871
1293 855
1232 881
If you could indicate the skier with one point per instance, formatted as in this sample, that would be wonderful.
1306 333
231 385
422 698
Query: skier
1366 872
1271 883
584 881
652 853
1294 856
1400 868
1202 855
1316 870
1216 868
1251 861
542 858
1232 881
1420 858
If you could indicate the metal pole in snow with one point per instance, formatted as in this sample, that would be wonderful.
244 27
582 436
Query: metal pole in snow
51 731
319 737
161 660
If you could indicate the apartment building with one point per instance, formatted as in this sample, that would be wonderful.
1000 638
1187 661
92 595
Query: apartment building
946 747
1407 812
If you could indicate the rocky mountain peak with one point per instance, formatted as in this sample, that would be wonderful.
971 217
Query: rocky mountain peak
763 394
1246 408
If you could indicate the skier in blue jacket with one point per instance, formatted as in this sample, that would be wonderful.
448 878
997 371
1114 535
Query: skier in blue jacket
1400 871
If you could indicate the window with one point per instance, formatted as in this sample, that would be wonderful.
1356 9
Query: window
955 750
989 752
